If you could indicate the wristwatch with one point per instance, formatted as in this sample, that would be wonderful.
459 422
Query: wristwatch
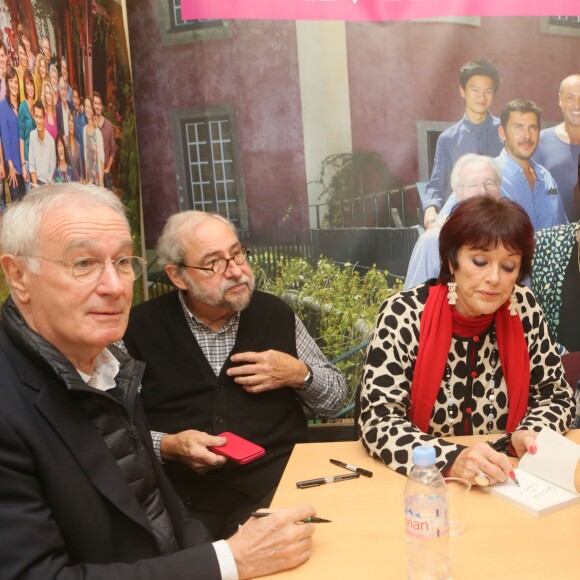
307 381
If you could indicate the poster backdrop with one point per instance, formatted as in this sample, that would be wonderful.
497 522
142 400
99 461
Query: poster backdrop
83 45
386 10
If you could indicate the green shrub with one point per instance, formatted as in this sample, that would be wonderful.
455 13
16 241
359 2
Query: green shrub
337 304
4 291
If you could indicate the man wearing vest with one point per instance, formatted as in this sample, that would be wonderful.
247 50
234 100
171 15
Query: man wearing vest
222 357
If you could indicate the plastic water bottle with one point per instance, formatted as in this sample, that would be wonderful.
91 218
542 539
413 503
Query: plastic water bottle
426 519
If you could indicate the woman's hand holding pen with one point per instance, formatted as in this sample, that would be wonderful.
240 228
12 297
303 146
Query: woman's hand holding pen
482 459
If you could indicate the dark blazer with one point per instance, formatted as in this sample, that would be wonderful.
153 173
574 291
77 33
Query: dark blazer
66 510
59 116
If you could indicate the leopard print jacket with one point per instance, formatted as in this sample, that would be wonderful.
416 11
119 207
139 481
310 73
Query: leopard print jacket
473 395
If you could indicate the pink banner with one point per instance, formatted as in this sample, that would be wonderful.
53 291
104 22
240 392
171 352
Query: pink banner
372 9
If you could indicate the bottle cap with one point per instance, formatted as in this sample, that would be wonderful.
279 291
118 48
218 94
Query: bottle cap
424 455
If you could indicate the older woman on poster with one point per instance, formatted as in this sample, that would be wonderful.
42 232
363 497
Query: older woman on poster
467 354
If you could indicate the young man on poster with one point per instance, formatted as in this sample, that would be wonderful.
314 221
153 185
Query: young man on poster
62 108
106 128
559 147
41 151
221 356
524 180
475 133
64 75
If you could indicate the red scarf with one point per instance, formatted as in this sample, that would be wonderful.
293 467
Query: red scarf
437 326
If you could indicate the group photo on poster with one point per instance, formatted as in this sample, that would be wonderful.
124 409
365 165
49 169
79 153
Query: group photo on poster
66 111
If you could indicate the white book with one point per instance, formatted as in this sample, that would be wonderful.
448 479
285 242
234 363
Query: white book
547 478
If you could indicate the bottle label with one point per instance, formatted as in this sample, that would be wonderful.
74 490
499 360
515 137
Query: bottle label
426 517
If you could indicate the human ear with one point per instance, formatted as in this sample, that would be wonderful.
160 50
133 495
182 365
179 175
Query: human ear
176 276
501 133
17 275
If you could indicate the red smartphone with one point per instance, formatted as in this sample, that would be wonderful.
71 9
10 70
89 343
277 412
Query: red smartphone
238 449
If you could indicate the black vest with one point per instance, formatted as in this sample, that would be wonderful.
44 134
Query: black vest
180 390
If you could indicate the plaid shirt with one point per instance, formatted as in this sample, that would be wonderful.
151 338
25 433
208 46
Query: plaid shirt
324 396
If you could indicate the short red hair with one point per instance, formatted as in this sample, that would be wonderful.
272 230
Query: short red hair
483 222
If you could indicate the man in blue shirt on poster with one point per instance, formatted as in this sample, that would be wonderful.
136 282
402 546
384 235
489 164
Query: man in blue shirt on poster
475 133
559 147
524 180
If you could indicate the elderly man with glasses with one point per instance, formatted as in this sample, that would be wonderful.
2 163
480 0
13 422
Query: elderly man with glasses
81 491
223 357
471 175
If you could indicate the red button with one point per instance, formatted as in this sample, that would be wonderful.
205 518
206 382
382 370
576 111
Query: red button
474 374
468 410
476 339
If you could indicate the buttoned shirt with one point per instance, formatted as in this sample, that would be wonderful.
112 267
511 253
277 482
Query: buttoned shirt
41 156
325 395
542 203
561 160
425 262
461 138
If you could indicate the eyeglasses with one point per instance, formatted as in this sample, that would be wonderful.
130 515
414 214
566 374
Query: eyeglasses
220 265
490 185
88 270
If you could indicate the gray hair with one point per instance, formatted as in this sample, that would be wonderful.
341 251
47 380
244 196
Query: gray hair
21 223
466 160
170 247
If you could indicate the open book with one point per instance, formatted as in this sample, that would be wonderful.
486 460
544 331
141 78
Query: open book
546 478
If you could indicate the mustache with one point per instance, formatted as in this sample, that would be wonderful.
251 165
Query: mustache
227 284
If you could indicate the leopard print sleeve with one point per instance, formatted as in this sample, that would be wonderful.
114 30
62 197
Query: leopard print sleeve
551 399
384 425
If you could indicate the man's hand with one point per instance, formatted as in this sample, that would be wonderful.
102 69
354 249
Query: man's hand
429 216
267 370
278 542
191 447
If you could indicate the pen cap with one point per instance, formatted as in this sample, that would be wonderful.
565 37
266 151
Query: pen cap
424 455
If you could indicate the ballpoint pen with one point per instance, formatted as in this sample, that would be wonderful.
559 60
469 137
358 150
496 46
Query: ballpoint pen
310 520
350 467
502 446
323 480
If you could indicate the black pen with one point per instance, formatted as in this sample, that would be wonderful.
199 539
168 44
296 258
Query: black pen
350 467
310 520
323 480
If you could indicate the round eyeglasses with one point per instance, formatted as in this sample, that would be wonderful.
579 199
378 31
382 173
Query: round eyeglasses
220 265
88 270
489 185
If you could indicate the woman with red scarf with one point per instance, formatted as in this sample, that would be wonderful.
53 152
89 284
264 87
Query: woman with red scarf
469 353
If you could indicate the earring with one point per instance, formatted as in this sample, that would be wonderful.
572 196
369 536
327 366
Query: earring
452 294
513 305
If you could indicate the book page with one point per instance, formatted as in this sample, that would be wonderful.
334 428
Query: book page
555 460
534 493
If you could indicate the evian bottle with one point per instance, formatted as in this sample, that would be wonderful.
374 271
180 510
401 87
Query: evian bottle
426 518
